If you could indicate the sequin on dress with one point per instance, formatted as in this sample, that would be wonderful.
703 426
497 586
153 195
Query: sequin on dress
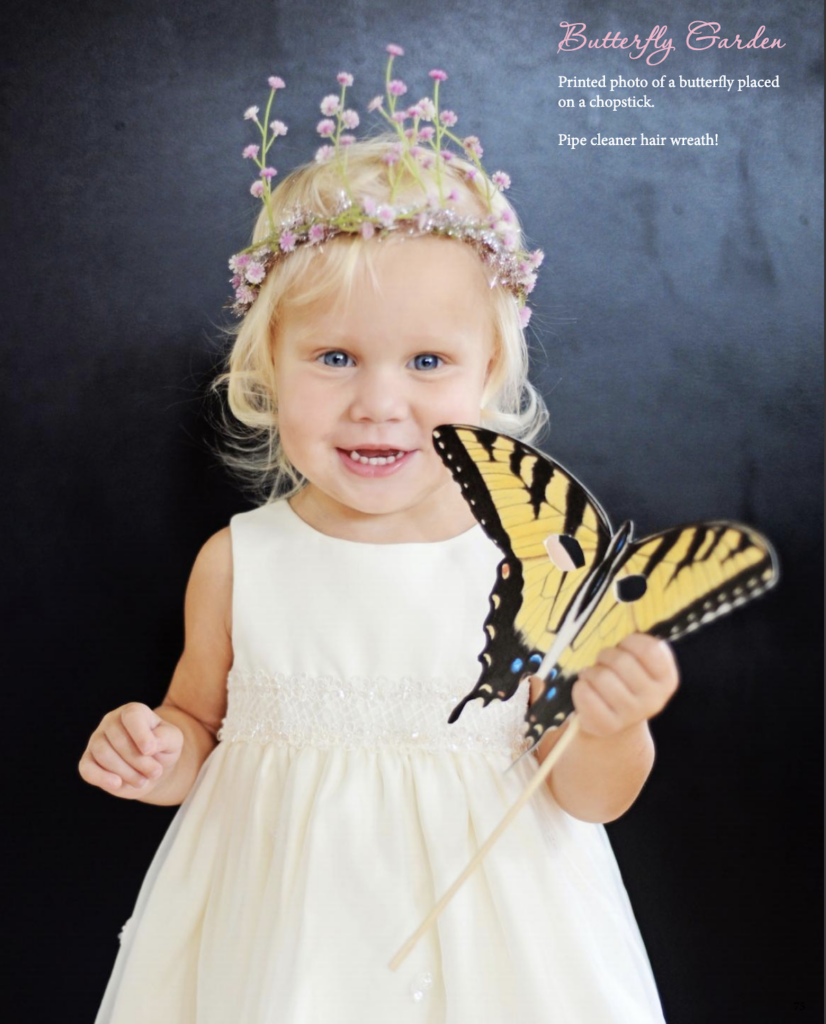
338 806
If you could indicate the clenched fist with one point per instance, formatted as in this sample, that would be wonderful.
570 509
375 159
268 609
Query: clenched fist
626 685
130 751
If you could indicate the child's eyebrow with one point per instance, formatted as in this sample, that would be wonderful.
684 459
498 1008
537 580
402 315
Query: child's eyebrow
436 340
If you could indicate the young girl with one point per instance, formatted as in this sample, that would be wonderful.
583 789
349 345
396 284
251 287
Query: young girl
325 802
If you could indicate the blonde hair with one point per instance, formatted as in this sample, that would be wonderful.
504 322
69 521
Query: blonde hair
253 450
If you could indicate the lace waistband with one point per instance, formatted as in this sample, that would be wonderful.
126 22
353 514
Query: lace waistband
406 713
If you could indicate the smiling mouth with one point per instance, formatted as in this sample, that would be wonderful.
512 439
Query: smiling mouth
374 456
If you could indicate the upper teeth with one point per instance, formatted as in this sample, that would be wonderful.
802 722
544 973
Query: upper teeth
379 461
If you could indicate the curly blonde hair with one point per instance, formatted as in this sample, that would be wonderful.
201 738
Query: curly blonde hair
252 446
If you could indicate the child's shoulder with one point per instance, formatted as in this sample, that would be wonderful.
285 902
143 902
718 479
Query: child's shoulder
210 582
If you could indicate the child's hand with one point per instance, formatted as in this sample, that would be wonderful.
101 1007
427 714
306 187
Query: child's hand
130 751
626 685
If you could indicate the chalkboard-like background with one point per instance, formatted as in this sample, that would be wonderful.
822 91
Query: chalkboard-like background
676 338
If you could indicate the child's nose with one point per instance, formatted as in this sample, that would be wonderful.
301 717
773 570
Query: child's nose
379 394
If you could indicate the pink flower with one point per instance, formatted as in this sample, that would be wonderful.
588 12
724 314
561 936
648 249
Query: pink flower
529 282
367 229
453 195
268 172
400 116
427 109
536 257
374 104
255 273
448 118
472 145
251 114
239 262
329 105
397 87
394 51
278 128
251 152
343 78
317 233
427 161
525 316
325 153
236 281
391 157
385 215
257 189
446 155
346 140
287 241
410 133
326 128
368 204
275 82
506 216
426 134
471 174
437 75
509 240
245 295
501 180
350 119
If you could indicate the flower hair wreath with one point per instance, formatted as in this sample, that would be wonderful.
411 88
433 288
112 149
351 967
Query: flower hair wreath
418 148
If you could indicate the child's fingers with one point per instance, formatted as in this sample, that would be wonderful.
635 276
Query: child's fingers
96 775
125 746
114 752
609 688
139 721
596 714
656 657
108 775
626 666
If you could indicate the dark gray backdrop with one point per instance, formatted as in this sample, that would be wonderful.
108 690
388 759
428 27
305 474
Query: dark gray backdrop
676 338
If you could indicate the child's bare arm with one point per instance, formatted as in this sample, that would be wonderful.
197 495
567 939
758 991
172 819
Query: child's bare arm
178 735
606 766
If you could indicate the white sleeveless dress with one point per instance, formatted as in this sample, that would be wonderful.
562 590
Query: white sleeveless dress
338 806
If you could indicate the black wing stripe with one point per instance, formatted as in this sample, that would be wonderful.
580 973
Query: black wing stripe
666 544
688 558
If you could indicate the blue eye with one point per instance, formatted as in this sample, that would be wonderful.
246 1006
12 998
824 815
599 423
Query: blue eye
334 352
426 355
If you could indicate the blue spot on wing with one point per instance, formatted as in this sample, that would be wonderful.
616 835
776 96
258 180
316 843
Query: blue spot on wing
516 664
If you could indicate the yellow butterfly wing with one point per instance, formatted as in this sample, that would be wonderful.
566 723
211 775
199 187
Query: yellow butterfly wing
693 574
525 502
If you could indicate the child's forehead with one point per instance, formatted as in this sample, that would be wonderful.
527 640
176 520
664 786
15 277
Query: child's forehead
412 277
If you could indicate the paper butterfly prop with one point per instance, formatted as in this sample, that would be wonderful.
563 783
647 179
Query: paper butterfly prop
569 586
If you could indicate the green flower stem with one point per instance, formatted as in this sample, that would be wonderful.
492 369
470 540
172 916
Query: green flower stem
475 159
406 159
438 146
342 169
266 146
